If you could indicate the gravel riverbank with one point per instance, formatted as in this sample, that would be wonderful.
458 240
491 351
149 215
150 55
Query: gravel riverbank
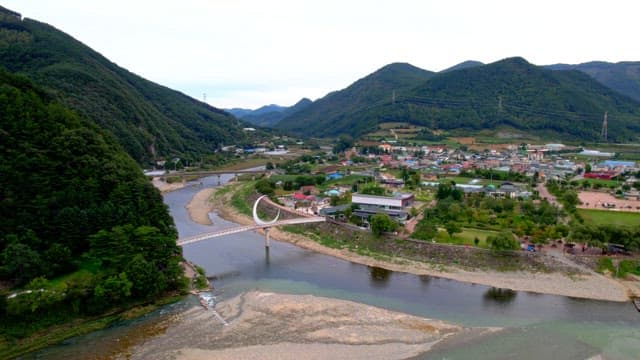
279 326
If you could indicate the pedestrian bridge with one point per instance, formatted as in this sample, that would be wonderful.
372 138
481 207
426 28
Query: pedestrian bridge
259 224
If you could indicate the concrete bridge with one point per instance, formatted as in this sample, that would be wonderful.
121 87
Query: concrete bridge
184 174
259 224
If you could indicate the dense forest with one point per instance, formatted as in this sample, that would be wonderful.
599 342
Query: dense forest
356 109
150 121
623 77
83 230
509 94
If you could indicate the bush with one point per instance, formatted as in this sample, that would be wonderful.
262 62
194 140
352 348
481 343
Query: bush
503 241
382 223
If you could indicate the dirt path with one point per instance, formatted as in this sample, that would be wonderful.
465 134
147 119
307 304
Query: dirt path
545 194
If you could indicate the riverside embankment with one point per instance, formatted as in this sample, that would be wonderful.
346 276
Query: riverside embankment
566 283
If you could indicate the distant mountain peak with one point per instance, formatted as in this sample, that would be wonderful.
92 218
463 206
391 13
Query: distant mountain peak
463 65
6 11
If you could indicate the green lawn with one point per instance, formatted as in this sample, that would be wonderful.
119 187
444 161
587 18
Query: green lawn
602 182
466 237
601 217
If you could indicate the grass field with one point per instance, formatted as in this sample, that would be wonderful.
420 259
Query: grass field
601 217
602 182
466 237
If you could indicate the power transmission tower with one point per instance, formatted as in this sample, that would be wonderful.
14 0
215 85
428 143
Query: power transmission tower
603 132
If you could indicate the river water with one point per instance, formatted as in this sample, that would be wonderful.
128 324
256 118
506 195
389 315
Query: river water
537 326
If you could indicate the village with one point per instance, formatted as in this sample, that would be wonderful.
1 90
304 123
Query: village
409 175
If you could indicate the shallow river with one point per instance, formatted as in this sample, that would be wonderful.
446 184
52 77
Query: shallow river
539 326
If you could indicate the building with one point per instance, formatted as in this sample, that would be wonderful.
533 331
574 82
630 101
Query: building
394 206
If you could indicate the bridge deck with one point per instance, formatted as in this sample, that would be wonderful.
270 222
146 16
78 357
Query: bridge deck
234 230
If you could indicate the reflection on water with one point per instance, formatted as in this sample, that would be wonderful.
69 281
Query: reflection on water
379 276
502 296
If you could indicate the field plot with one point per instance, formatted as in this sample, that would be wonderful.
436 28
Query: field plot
603 217
599 200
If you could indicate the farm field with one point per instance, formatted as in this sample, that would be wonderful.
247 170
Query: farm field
617 218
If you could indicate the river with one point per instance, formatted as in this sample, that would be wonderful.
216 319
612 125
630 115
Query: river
539 326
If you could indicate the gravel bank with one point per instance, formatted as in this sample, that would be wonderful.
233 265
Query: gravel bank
278 326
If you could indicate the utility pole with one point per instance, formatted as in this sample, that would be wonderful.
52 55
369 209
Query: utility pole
393 97
499 103
603 132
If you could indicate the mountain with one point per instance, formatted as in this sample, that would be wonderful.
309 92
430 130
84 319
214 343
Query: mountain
463 65
511 94
74 207
149 120
269 115
623 77
347 110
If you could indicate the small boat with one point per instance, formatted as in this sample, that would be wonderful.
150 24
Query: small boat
636 303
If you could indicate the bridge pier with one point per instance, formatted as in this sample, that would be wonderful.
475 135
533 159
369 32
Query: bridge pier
267 238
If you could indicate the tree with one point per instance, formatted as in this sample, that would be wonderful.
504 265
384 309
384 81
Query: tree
343 143
20 263
382 223
452 228
146 281
502 241
265 187
373 190
114 289
269 165
425 230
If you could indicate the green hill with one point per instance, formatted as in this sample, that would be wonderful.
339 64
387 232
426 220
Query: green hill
74 209
149 120
510 94
623 77
346 111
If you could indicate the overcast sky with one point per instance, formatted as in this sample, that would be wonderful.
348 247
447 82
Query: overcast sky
243 53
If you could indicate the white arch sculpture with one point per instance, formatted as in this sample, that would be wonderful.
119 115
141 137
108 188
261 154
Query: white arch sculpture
257 219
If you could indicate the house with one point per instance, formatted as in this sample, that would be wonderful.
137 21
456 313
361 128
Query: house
385 147
506 190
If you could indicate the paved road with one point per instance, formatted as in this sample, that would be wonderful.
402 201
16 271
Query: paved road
545 194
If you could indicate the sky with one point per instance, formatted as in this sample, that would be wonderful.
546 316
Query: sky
243 53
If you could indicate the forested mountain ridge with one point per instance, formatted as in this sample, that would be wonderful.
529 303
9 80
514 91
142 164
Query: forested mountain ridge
269 115
509 93
623 77
339 111
73 207
149 120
